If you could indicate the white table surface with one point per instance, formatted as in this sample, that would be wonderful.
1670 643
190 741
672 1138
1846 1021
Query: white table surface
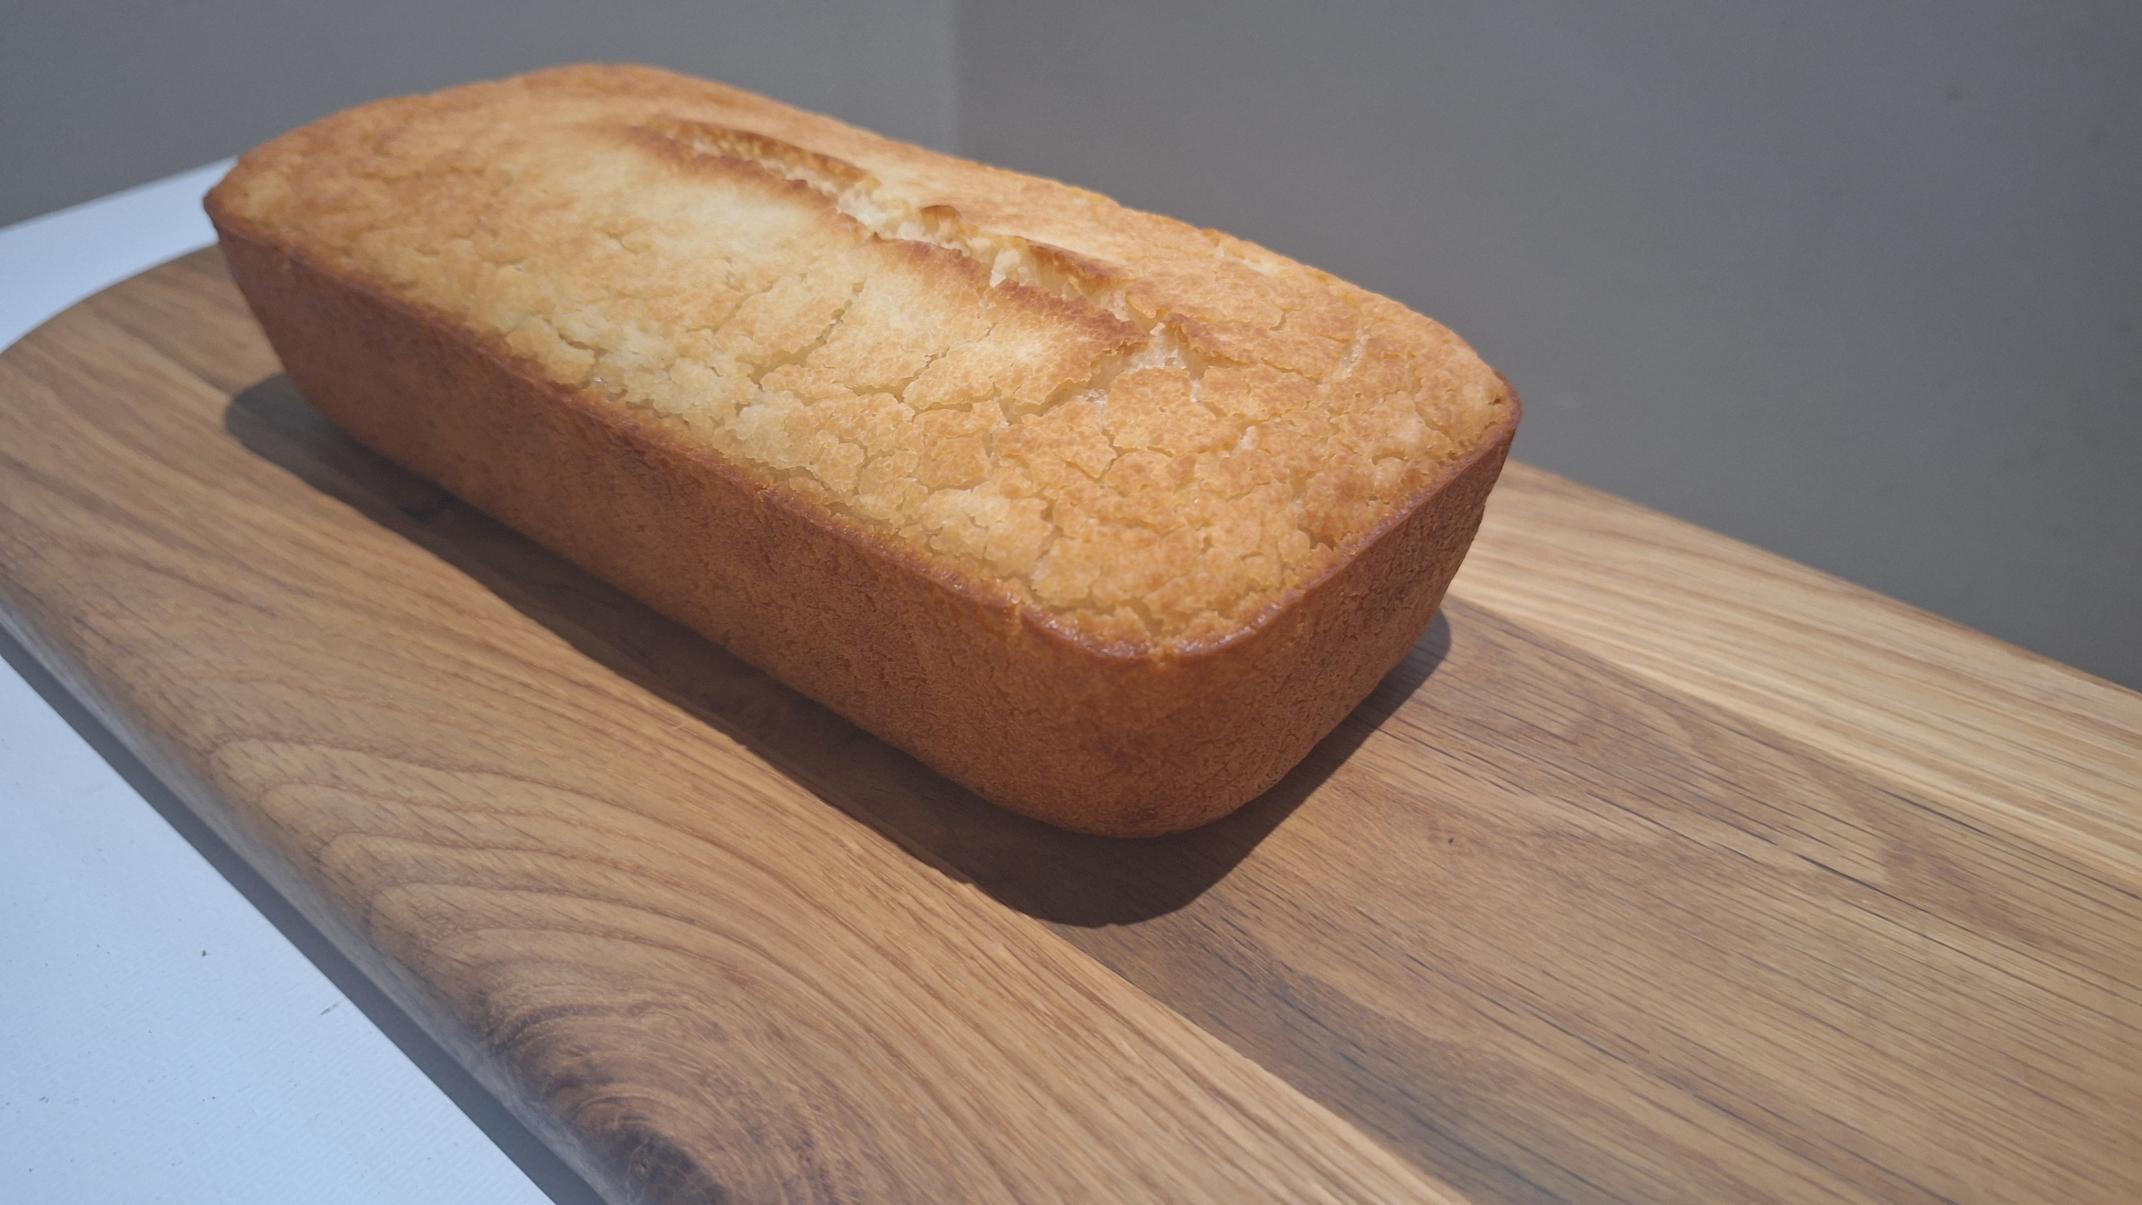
170 1030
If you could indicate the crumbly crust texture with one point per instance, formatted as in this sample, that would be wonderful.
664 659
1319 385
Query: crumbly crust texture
1142 435
1102 516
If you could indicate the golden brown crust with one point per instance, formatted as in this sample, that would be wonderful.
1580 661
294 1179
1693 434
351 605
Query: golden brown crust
1146 431
835 466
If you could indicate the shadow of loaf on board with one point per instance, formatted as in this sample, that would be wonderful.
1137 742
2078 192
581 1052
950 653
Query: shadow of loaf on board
1057 876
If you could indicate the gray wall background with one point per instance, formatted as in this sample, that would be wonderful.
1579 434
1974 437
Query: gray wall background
96 95
1860 284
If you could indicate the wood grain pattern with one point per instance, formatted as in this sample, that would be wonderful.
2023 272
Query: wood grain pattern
1663 869
1895 691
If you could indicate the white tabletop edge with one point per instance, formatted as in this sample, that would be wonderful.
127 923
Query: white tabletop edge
162 1038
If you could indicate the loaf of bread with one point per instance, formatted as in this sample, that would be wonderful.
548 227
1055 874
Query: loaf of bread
1104 516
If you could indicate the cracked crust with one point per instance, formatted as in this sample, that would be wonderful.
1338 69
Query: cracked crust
1160 495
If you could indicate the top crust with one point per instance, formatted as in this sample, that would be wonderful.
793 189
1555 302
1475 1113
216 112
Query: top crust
1144 436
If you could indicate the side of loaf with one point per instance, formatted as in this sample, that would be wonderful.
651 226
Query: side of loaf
1105 517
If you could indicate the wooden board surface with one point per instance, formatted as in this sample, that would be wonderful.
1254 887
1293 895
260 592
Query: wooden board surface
1663 869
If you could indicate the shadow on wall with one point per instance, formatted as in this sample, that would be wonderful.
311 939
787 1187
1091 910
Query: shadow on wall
1056 876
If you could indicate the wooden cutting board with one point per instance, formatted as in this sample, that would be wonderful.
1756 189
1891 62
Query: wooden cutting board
1662 869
